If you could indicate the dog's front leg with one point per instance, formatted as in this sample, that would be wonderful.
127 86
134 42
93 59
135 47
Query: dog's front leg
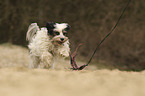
46 59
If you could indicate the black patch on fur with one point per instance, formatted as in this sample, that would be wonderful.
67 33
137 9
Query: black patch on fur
50 27
67 28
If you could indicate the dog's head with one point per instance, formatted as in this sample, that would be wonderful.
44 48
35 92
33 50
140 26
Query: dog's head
58 32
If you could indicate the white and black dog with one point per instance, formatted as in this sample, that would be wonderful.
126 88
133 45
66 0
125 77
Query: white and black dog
47 44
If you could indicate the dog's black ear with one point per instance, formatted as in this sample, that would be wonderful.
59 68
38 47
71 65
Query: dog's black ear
50 27
68 27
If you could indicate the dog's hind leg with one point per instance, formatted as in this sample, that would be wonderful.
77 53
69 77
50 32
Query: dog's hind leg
53 64
34 61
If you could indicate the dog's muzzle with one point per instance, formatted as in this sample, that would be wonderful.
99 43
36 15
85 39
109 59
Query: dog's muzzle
61 41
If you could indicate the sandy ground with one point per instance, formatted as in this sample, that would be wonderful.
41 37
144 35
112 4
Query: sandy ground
17 80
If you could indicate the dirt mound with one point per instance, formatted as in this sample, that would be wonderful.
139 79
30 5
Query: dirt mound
42 82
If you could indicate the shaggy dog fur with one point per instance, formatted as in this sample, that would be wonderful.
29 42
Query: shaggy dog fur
47 44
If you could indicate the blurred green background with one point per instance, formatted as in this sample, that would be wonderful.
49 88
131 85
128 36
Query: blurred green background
90 21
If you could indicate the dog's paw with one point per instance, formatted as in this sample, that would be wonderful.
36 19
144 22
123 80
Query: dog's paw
64 54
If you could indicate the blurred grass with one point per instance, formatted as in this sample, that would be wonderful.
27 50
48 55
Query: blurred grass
18 56
12 55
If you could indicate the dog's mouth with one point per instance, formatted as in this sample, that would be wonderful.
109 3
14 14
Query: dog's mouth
60 42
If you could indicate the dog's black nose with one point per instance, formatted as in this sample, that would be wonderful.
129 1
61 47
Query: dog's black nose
61 39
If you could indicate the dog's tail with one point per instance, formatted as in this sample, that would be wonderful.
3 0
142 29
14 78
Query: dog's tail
33 28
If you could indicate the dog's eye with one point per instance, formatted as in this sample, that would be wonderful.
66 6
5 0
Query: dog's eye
56 33
65 34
